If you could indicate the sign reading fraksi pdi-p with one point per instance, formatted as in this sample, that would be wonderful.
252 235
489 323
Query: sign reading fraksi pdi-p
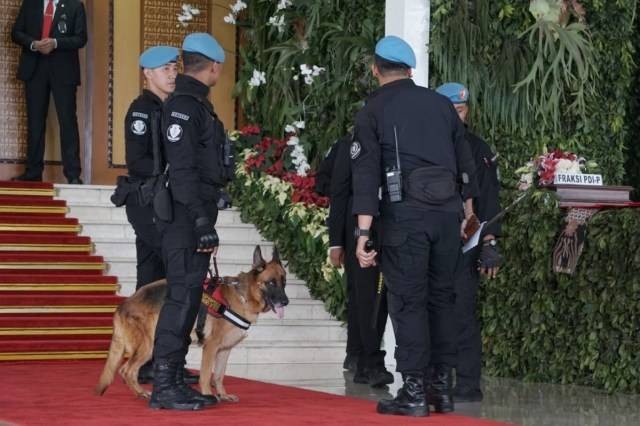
578 179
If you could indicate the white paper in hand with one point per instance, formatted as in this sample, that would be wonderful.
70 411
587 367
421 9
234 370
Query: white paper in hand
474 240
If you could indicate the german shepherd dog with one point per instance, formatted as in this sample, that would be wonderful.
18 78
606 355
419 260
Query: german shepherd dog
134 323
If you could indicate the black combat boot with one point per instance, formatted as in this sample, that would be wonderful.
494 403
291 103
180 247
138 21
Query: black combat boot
439 392
411 400
181 381
167 393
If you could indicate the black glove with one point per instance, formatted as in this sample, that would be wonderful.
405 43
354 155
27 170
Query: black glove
207 235
489 257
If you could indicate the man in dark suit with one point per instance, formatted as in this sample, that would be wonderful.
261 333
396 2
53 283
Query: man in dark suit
51 32
361 282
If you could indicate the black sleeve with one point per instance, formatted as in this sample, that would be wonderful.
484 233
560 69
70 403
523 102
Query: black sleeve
19 31
323 177
340 193
180 127
137 139
464 159
366 164
78 37
488 200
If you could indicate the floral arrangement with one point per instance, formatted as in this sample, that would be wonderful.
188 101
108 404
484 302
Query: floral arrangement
281 158
543 169
277 195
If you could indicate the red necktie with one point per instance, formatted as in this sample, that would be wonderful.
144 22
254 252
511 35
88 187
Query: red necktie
48 19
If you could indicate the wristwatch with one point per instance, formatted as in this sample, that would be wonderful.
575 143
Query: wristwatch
361 233
491 243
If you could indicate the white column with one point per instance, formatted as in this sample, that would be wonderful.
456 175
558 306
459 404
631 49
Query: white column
410 20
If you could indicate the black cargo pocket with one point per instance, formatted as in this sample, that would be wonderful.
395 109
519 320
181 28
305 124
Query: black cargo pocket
394 237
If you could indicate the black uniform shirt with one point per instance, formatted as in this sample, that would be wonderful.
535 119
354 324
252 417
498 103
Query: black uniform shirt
193 137
429 133
487 204
142 119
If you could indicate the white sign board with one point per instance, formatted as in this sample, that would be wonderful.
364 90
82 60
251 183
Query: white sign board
577 179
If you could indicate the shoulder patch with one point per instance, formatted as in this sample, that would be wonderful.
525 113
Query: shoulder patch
174 133
139 127
139 114
180 115
355 150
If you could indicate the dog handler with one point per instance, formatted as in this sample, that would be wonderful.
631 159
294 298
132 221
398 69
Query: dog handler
142 135
194 145
410 142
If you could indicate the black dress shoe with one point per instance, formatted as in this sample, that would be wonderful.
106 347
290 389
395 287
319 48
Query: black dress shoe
467 394
350 363
375 377
75 181
411 399
26 177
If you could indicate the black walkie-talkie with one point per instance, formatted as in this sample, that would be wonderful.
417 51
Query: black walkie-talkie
394 175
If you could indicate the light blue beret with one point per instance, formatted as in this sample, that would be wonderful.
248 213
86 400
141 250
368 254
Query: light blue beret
397 50
204 44
456 92
158 56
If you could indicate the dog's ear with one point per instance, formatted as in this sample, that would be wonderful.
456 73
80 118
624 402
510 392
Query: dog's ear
258 260
276 255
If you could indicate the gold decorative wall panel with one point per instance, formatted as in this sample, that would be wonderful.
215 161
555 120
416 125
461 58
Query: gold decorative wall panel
13 112
160 21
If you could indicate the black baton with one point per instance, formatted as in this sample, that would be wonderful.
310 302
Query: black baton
368 246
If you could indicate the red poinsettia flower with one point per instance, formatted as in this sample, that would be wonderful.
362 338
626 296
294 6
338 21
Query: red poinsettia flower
250 129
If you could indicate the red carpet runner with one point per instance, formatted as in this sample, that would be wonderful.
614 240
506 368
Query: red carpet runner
60 393
55 301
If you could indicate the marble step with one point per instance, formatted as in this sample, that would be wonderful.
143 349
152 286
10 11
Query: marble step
278 352
293 330
296 289
291 373
229 250
126 266
96 228
108 213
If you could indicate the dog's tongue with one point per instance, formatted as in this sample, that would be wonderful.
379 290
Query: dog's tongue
280 312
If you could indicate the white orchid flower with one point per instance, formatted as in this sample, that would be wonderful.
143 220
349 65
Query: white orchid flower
283 4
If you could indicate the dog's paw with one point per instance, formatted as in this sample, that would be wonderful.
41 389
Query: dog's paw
144 395
228 397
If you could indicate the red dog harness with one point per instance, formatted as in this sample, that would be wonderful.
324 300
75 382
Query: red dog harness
217 305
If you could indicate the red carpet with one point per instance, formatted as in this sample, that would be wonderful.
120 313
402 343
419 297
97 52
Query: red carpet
60 393
55 302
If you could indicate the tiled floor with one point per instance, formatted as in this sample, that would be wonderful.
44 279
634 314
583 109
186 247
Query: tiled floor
506 400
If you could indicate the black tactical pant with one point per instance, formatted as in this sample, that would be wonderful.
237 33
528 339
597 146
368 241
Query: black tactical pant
149 264
469 343
361 298
186 272
419 254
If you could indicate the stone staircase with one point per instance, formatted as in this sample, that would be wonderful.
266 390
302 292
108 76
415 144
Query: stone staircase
307 334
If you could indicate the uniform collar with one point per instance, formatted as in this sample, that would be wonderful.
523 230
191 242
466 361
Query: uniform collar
152 96
188 84
403 82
